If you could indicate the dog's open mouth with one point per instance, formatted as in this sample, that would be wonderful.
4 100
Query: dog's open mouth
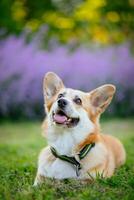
61 118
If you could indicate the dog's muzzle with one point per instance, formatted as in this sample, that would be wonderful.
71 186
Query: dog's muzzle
60 117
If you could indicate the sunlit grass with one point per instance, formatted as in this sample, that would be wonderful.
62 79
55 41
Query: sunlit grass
20 144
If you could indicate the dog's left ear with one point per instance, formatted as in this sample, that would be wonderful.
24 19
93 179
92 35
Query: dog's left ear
51 85
101 97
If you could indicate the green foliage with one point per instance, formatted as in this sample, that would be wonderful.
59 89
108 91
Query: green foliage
20 144
102 21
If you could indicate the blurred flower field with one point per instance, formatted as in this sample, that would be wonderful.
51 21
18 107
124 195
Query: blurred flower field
23 66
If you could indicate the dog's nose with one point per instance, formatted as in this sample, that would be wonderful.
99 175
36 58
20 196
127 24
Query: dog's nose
62 103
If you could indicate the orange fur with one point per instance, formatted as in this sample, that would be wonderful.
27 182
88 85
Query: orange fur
44 128
92 138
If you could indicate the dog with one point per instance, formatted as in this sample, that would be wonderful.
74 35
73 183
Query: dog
76 147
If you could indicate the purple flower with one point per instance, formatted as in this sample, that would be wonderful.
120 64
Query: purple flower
22 68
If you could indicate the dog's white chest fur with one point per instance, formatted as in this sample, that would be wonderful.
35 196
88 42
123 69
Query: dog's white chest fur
58 169
61 169
64 142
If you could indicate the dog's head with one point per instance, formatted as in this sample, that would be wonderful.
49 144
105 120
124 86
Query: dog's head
68 108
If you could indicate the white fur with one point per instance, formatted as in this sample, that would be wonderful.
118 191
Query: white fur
60 169
57 169
64 140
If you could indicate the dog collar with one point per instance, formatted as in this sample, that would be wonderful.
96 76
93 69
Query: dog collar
71 159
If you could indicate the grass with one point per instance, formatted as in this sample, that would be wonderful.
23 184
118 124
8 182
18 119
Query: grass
20 144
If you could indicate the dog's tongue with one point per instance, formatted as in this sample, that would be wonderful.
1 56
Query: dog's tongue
60 118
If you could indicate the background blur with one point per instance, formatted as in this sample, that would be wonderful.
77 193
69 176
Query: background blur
86 42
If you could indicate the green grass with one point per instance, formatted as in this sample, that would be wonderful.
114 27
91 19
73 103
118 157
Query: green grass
20 144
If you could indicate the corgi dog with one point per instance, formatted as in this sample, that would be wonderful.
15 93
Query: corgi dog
76 147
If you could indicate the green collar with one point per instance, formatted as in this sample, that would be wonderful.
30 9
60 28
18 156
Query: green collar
71 159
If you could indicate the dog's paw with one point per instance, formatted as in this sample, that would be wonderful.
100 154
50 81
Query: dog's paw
38 180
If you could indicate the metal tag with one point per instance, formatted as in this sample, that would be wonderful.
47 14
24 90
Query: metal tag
77 170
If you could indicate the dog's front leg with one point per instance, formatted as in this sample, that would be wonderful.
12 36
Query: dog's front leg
39 179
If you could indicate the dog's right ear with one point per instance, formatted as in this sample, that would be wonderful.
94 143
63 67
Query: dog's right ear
51 85
101 97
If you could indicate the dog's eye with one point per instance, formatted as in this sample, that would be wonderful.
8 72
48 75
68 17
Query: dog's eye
78 101
60 95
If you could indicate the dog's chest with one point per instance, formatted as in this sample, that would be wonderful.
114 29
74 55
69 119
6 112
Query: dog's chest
60 170
64 144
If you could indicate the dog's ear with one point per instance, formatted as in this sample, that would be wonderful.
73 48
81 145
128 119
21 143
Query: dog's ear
51 85
101 97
